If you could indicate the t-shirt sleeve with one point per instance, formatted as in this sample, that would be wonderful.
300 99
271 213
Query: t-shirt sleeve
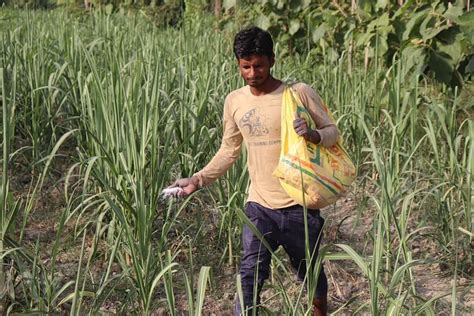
228 152
326 128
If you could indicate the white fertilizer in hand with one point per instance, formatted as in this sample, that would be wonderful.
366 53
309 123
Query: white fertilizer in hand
172 192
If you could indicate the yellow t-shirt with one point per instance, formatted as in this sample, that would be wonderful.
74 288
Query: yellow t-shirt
256 121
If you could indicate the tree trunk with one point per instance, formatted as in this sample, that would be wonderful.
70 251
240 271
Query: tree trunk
217 8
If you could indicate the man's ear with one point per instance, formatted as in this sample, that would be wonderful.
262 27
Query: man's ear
272 61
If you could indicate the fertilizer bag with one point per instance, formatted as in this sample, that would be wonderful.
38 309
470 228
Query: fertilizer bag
314 176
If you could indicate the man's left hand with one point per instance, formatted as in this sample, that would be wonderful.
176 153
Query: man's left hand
302 129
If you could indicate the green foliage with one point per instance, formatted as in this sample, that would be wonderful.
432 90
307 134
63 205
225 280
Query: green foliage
193 7
168 14
30 4
433 37
286 20
137 106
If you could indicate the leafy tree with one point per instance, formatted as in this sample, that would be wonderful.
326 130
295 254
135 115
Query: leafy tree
433 37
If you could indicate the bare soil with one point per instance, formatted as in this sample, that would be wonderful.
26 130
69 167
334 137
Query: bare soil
348 222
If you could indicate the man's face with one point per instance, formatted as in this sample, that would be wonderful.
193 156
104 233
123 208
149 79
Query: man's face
255 69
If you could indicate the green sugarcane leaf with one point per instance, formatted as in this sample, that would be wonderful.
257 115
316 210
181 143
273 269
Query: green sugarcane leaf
63 288
201 290
5 253
72 296
155 281
397 277
356 258
337 256
462 230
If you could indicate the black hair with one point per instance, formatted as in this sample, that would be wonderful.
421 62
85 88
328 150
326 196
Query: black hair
253 41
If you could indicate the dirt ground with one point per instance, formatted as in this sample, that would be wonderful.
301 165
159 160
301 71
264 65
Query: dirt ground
346 223
348 288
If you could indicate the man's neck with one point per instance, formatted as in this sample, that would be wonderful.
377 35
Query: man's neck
270 85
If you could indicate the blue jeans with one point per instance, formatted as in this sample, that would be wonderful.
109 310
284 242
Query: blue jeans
283 227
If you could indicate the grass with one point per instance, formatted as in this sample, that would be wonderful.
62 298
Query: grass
134 107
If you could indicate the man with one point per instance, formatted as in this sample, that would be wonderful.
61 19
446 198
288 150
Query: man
252 114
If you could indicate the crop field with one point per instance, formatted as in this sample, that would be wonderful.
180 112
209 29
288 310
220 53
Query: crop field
101 112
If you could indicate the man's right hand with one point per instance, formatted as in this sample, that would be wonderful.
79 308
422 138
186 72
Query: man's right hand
186 184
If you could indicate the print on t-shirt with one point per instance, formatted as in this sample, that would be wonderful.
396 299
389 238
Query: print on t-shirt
254 123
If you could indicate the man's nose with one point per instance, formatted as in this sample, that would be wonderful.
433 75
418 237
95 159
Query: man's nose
252 71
